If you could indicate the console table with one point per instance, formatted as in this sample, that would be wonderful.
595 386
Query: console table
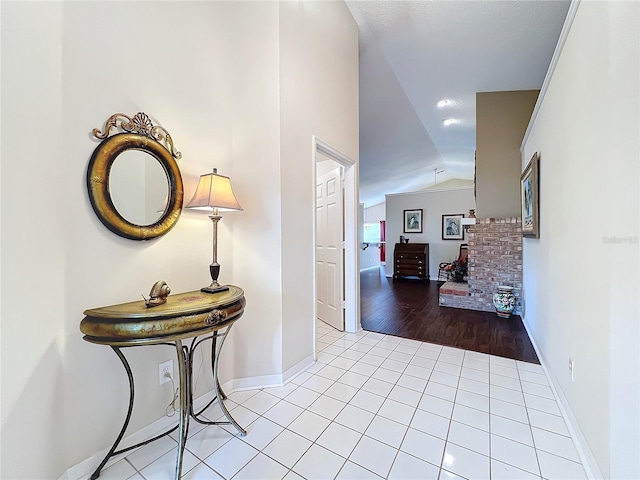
193 315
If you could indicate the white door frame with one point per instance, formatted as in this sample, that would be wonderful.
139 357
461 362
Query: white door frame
351 257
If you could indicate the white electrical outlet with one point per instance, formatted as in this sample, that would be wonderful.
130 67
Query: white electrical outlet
165 372
571 368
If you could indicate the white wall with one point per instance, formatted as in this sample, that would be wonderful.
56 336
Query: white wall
371 256
319 96
209 72
256 175
581 277
434 204
33 242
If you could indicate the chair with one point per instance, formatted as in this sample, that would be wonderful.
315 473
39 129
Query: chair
462 257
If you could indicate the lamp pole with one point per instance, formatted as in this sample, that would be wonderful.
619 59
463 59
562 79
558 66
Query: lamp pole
214 268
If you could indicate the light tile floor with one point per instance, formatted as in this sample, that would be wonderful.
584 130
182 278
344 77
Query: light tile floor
376 406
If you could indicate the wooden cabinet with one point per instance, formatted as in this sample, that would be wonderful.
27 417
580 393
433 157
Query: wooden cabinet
411 260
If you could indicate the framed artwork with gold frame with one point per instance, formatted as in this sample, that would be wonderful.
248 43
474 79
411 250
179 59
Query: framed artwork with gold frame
530 198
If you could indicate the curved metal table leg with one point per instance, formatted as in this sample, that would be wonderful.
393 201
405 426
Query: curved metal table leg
122 358
216 384
185 390
185 367
213 357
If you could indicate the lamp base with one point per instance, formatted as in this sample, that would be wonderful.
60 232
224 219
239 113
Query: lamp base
210 289
214 270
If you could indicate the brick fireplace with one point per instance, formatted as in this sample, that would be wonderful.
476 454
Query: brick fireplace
495 258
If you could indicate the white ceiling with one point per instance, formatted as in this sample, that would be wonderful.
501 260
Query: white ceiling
416 53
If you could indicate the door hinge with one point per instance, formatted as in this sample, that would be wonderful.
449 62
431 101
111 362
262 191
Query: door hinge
344 304
343 244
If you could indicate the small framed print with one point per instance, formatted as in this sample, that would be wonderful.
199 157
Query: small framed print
452 228
529 199
413 221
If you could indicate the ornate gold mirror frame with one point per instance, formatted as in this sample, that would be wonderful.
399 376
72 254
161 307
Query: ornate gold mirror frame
139 134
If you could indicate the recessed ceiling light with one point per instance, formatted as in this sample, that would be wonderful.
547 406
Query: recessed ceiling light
444 103
450 121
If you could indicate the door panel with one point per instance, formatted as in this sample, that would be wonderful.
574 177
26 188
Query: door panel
329 252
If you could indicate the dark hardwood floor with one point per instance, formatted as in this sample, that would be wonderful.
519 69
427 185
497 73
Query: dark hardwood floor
409 308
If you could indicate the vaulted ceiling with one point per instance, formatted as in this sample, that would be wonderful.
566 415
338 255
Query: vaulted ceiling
414 54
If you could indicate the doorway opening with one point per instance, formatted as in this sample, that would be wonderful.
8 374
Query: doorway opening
347 296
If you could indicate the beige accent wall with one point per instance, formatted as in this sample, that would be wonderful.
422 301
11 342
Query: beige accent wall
501 120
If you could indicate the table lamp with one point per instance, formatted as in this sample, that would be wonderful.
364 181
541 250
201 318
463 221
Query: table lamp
214 193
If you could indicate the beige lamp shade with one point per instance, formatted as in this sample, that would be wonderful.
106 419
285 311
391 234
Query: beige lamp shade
214 192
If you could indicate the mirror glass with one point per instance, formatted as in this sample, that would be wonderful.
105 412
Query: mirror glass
139 187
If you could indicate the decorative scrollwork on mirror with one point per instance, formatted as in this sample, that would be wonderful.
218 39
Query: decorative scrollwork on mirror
142 198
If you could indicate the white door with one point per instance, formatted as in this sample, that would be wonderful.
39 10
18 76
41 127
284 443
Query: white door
329 251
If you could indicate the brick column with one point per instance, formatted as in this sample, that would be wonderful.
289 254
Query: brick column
495 258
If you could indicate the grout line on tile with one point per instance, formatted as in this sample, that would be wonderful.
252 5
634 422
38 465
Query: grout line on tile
326 334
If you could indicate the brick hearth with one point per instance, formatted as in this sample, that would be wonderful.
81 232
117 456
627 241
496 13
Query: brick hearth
455 288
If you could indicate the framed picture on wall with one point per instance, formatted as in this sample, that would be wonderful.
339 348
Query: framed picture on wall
452 226
529 198
413 221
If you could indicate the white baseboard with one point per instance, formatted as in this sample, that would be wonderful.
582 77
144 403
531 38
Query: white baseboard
85 468
254 383
267 381
369 268
298 368
584 452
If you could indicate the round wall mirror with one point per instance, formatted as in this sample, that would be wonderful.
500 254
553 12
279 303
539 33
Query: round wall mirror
134 183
